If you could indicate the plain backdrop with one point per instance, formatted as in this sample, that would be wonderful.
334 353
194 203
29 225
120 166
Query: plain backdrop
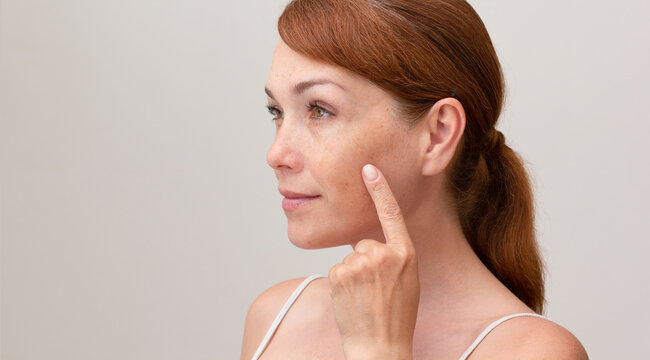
139 218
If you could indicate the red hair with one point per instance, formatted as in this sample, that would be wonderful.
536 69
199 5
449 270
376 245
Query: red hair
421 51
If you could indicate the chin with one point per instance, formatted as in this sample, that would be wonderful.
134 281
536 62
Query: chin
310 240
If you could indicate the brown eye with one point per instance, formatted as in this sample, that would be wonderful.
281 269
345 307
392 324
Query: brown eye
318 111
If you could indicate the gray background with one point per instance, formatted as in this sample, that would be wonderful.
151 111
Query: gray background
139 218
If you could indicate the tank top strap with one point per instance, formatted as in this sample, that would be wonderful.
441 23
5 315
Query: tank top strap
491 327
282 313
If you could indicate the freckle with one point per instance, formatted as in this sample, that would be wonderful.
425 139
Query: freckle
358 141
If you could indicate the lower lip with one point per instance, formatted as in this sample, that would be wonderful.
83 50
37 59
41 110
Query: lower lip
291 204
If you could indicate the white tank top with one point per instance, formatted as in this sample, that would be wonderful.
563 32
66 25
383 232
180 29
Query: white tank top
306 282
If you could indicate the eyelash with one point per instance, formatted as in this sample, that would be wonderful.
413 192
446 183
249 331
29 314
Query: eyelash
272 110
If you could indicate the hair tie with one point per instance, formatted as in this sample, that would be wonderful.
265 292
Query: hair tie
453 92
495 140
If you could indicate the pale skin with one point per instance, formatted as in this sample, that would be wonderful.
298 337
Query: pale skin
412 288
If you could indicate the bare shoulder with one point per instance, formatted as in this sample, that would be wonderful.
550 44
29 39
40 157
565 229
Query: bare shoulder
263 311
529 337
268 303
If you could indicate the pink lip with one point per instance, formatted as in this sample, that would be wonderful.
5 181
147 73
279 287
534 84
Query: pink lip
294 203
291 194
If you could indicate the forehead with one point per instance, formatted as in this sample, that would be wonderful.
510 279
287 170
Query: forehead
289 67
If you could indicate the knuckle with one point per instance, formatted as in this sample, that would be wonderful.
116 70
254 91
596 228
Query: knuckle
334 273
408 256
338 277
341 273
363 264
378 186
390 210
365 243
381 255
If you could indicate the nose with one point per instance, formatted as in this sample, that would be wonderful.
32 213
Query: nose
283 153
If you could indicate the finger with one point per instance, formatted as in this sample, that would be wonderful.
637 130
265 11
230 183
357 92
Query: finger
390 214
350 258
366 245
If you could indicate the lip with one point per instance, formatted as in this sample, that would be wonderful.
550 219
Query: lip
295 195
294 200
289 204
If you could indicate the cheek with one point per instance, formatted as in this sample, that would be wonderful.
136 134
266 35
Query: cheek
341 175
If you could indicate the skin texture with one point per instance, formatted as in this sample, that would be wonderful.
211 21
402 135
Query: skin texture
325 155
321 151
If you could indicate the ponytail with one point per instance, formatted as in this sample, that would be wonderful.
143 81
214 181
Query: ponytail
495 206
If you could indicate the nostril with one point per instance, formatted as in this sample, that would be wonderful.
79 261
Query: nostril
286 161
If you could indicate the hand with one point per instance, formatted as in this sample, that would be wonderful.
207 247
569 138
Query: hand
376 290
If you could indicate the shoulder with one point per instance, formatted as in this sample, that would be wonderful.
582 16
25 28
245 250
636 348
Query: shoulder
528 337
267 305
270 301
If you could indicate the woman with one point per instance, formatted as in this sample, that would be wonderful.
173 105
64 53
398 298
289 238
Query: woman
407 92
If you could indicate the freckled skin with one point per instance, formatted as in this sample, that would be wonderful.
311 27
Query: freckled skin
459 295
325 155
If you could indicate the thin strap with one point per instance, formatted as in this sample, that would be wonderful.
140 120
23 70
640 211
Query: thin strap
492 326
282 313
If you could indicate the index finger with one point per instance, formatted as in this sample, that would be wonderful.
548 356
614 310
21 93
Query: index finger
390 214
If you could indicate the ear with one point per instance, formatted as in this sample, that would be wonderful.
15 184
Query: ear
440 131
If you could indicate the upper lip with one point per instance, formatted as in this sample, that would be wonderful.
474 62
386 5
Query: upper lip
293 195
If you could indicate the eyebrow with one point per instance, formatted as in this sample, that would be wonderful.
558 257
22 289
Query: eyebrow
300 87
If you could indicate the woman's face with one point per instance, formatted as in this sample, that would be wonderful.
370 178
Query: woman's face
331 122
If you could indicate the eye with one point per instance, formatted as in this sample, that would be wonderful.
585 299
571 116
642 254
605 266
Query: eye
318 111
275 112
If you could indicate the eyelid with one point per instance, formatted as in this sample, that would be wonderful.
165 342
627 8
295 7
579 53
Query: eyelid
273 109
310 108
316 105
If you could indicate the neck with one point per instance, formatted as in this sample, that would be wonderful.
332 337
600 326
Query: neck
453 280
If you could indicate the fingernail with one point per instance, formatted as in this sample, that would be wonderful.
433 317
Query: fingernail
370 172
